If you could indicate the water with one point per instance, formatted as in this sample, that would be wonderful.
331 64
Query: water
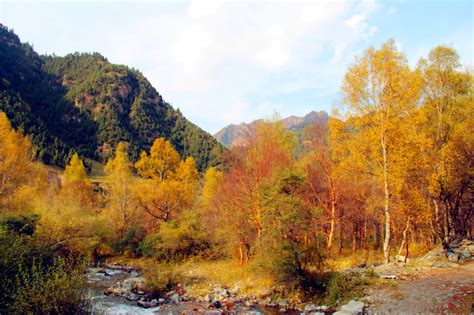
100 279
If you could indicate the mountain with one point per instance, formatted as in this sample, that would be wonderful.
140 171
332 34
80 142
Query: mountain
233 135
83 103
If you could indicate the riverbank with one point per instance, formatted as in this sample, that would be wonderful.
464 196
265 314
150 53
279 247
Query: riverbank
208 287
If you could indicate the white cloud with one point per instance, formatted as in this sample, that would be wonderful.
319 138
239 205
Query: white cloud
210 56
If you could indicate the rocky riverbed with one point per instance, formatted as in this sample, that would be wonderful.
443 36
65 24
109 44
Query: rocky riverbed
118 289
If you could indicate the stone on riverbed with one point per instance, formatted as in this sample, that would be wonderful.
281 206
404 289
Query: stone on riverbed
175 299
135 283
351 308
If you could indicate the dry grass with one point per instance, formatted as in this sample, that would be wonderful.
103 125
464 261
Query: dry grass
350 259
200 277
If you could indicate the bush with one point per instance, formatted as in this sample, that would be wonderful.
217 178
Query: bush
175 242
342 287
161 279
34 278
130 241
56 289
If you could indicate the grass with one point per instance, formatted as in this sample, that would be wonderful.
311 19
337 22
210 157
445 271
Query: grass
96 175
349 259
200 276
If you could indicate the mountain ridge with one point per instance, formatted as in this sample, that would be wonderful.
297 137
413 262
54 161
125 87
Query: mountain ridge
236 134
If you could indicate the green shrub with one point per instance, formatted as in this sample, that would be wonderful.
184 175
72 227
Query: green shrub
24 224
56 289
130 241
161 279
342 287
175 241
34 278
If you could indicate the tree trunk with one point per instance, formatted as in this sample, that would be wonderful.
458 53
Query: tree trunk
354 237
386 243
438 224
404 240
333 222
340 235
446 223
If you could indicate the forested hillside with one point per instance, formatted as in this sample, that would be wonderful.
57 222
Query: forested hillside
83 103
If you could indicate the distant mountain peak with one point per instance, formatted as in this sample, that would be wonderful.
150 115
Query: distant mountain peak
234 134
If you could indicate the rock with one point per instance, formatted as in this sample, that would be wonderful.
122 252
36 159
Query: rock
453 257
438 264
145 304
353 307
465 254
388 277
310 308
229 305
131 297
161 300
235 289
175 299
401 258
265 293
283 302
113 291
134 283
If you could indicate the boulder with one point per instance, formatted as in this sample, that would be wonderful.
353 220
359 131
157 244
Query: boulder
147 304
401 258
283 302
175 299
353 307
265 293
113 291
134 283
310 308
453 257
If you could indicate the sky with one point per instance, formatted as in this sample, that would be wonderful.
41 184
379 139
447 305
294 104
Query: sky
223 62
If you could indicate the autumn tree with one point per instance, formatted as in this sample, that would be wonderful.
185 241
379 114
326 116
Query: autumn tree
447 112
380 89
122 199
15 159
169 184
242 195
323 178
160 163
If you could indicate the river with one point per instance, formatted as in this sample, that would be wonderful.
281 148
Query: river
101 279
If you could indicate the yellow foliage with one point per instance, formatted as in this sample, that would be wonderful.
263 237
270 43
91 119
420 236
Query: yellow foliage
15 159
75 171
122 200
169 184
212 179
160 163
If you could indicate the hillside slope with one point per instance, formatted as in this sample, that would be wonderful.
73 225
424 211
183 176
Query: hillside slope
83 103
236 134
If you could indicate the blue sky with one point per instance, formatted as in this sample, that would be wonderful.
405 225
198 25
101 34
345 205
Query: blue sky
223 62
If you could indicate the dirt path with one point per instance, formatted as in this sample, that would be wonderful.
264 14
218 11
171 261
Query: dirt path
439 291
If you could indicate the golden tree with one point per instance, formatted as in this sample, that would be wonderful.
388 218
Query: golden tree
15 158
121 198
380 89
169 184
